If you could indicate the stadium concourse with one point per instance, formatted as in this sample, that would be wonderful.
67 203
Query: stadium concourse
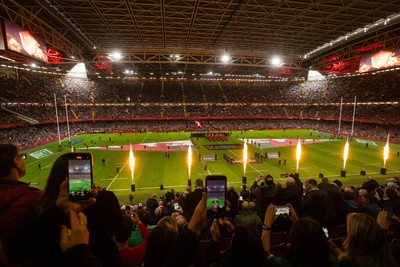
244 87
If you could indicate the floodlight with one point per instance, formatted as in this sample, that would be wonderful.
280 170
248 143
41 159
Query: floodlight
225 58
115 56
276 61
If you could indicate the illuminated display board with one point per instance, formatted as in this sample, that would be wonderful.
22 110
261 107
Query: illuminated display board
380 60
2 45
23 42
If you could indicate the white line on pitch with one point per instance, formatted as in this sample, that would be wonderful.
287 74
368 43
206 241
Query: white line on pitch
107 179
258 171
117 175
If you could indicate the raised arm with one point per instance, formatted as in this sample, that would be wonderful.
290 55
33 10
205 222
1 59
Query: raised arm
269 218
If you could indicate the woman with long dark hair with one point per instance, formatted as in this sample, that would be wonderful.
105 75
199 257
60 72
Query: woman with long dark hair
103 218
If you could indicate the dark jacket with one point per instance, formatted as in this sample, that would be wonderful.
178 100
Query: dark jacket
336 214
152 204
192 199
315 205
104 219
80 256
233 198
370 185
292 194
372 209
265 195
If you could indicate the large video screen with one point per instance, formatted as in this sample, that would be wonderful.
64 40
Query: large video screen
380 60
2 45
23 42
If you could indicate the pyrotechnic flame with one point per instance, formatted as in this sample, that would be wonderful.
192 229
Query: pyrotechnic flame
189 159
298 154
131 162
244 158
345 153
386 152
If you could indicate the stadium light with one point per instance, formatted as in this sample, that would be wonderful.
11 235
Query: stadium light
175 57
226 58
115 56
276 61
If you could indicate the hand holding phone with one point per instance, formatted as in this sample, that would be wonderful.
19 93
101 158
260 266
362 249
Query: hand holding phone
80 176
63 202
282 210
216 192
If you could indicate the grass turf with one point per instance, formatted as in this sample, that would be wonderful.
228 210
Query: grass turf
153 168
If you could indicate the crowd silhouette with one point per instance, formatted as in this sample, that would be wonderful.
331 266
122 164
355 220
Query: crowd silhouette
44 228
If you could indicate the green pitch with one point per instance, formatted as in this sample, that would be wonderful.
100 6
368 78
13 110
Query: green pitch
153 167
216 201
79 185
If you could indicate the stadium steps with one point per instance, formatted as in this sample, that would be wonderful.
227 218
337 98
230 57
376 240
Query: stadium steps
19 116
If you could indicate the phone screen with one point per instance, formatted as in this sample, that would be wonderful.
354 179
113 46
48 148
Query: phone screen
80 177
282 210
176 206
216 202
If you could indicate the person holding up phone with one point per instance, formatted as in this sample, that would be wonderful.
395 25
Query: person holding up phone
101 208
308 245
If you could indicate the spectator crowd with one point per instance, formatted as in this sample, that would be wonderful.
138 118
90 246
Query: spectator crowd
325 224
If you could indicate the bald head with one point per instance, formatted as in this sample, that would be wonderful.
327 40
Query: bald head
245 206
362 192
290 181
180 221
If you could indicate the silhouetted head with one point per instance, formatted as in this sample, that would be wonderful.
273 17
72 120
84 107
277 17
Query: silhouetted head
308 244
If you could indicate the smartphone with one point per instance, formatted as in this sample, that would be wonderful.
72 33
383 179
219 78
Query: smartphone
325 231
216 192
176 206
241 198
80 176
282 210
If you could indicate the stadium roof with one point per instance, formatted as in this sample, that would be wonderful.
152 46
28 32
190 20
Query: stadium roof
185 38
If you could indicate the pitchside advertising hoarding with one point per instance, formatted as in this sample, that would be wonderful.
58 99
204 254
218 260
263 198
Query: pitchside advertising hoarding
21 41
383 59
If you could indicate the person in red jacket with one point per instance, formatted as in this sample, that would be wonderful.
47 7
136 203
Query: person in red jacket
17 198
